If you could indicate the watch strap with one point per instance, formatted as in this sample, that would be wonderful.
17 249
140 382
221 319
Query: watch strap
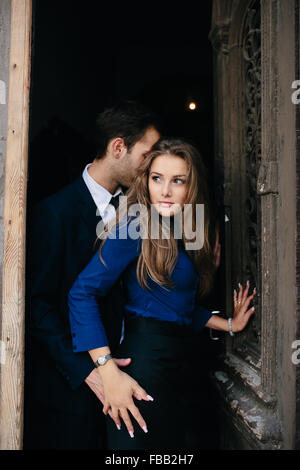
102 360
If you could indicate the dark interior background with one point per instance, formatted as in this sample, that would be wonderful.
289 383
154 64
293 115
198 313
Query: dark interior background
88 55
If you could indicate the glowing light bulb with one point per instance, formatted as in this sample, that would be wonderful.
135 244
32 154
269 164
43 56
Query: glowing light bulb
192 106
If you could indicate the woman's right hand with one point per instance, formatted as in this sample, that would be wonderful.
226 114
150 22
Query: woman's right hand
119 390
241 313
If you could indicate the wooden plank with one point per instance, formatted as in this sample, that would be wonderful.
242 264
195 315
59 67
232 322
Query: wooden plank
13 301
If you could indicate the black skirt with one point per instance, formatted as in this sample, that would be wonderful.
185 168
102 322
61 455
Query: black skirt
162 363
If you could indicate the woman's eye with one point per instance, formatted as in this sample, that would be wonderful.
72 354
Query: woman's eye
179 181
154 178
176 180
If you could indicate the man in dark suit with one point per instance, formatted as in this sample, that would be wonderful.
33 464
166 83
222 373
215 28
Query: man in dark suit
63 391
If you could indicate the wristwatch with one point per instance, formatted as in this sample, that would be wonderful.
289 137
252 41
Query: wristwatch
102 360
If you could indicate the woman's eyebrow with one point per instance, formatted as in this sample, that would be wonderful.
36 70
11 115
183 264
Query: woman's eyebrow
174 176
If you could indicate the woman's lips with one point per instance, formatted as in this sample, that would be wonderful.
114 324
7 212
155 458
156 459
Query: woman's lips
166 204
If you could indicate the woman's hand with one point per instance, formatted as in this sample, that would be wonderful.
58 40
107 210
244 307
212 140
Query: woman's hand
119 390
241 313
94 380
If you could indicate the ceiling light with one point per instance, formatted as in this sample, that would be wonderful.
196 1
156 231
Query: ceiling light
192 106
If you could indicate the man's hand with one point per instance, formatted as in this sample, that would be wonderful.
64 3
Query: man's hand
94 380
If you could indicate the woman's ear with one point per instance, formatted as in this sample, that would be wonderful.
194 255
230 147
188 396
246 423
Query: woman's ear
117 147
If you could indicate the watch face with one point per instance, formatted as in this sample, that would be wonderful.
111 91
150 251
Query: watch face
102 360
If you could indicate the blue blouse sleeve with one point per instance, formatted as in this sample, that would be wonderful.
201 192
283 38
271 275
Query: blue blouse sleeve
118 251
200 317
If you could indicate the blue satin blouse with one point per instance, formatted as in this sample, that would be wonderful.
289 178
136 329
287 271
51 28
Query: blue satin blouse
120 253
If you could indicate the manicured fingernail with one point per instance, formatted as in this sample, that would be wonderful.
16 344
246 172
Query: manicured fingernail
145 429
239 285
247 282
149 397
253 308
118 426
131 434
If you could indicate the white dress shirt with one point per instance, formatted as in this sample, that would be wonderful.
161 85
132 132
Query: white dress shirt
100 195
102 199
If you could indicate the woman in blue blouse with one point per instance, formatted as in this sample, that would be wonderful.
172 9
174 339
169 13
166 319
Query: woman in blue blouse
164 271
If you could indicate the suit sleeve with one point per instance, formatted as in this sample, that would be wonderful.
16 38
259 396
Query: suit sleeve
95 280
46 254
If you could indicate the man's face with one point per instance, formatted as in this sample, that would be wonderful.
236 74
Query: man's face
133 159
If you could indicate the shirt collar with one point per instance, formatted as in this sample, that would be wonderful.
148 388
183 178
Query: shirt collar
100 195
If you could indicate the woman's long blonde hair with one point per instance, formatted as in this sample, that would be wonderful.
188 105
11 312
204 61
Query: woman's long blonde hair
158 257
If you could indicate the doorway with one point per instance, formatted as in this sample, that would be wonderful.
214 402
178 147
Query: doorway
87 58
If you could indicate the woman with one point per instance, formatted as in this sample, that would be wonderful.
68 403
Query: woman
164 274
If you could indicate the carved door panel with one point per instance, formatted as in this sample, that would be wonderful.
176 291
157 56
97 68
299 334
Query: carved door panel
246 162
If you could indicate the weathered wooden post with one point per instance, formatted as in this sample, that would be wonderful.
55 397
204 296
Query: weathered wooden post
16 18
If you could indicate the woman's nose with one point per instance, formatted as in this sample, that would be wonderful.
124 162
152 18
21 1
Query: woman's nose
166 190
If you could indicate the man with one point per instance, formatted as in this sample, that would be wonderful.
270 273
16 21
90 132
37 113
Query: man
63 392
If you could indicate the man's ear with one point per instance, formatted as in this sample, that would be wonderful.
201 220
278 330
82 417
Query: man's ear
118 147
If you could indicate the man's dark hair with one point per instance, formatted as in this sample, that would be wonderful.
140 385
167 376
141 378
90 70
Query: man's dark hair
128 119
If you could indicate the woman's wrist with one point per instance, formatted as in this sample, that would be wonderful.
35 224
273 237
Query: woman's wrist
230 326
217 323
109 365
97 352
108 369
234 326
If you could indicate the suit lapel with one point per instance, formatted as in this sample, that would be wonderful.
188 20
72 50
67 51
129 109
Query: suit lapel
86 207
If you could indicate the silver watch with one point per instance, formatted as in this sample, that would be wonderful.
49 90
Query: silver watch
102 360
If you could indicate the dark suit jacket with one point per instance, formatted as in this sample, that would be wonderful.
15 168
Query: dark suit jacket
61 241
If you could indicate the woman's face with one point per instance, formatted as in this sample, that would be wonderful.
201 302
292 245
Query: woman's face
167 184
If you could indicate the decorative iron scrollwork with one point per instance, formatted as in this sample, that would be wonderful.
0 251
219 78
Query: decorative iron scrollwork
248 343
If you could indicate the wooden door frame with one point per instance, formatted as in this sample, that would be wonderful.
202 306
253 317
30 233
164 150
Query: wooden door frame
15 190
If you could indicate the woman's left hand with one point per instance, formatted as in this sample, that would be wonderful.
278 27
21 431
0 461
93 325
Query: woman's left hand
241 313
